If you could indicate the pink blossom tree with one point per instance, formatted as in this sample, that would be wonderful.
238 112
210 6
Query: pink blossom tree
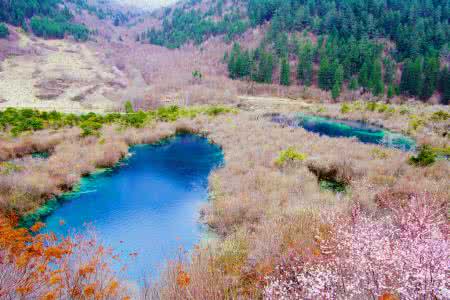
405 254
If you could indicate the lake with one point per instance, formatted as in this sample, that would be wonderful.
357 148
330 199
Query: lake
149 204
364 132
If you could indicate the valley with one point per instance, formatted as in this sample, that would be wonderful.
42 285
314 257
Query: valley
224 149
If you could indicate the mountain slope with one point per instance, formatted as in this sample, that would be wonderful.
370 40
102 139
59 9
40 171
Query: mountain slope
368 40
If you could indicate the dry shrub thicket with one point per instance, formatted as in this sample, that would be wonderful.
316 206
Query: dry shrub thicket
262 212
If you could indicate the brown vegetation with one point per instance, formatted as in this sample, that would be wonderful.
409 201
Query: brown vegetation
261 211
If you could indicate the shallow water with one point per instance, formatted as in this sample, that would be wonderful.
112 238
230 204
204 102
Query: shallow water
339 128
148 205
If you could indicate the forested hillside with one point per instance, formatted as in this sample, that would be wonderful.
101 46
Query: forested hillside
45 18
383 47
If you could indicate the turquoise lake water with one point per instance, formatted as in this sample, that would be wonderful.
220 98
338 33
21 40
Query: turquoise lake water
148 205
339 128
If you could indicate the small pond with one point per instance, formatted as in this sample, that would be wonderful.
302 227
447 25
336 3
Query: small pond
148 205
339 128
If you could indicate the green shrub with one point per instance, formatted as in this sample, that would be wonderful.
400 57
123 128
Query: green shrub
321 109
345 108
4 31
404 111
217 110
289 155
135 119
379 154
442 151
415 122
7 168
168 113
440 116
371 106
89 127
382 107
334 186
129 107
15 121
425 157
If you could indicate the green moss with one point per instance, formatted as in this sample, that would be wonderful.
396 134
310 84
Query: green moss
37 215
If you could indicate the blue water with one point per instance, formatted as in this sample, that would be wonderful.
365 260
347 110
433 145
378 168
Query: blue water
339 128
148 205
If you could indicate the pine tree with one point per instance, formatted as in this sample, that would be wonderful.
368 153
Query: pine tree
444 85
265 67
390 91
305 64
4 32
339 76
326 74
337 81
376 81
430 77
353 85
364 73
285 72
389 70
282 44
411 81
239 63
335 91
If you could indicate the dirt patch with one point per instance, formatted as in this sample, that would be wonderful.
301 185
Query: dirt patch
69 74
49 89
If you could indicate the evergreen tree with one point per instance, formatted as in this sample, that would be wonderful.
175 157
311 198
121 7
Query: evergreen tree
282 44
305 64
285 72
326 74
353 85
364 75
4 32
338 79
265 67
335 91
444 85
411 81
389 70
235 52
376 82
390 91
430 77
339 76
